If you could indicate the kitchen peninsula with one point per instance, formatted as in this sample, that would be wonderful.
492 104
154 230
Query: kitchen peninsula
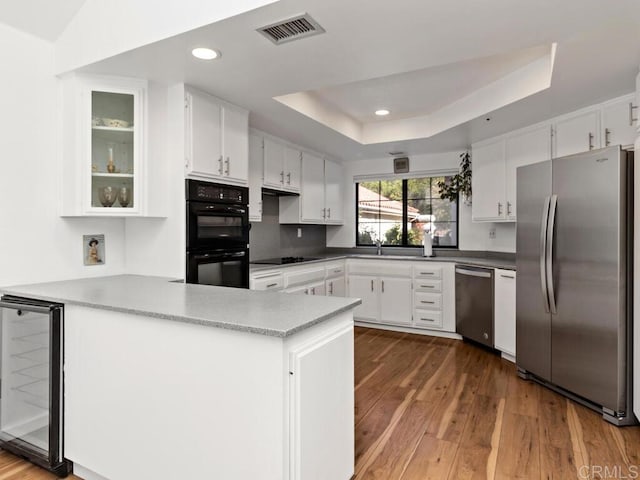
167 380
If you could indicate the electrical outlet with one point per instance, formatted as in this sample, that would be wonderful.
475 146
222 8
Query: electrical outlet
299 232
492 232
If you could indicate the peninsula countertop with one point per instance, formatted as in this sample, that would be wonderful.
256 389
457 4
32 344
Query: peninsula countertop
266 313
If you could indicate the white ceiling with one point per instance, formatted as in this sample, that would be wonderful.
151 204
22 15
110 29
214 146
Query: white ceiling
376 48
43 18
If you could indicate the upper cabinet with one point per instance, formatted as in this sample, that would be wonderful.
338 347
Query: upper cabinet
281 166
216 139
104 168
320 200
578 133
496 160
255 178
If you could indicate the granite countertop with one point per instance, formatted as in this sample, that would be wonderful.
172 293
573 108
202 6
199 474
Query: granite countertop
461 260
266 313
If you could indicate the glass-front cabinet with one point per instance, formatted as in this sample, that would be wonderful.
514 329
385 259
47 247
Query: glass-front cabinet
103 163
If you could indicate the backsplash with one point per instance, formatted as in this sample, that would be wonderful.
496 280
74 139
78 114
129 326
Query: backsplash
269 239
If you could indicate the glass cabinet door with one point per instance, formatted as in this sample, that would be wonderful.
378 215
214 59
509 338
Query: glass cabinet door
112 150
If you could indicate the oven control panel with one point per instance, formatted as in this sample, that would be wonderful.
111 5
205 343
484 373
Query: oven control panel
212 192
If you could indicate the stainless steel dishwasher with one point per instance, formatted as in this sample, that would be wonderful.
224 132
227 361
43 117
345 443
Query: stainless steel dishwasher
474 303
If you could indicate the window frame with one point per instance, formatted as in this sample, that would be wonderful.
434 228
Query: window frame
405 215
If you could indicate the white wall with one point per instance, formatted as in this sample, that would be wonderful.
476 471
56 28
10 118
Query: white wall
472 236
103 29
35 243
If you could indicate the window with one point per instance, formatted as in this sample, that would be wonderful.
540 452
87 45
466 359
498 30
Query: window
398 212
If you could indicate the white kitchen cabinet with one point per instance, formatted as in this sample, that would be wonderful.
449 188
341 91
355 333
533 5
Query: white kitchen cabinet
365 287
217 139
255 178
434 296
300 289
321 411
395 300
336 287
619 126
267 280
505 311
104 146
312 198
317 288
321 199
577 133
524 148
488 181
282 166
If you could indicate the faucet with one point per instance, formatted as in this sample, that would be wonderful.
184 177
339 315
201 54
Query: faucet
379 247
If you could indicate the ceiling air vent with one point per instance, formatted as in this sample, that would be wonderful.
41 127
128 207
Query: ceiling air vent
292 29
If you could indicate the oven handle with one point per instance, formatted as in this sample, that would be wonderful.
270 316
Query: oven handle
204 256
219 208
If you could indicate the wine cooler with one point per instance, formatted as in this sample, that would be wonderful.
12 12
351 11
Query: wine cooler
31 382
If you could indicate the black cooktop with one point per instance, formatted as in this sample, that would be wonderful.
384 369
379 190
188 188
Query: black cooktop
284 260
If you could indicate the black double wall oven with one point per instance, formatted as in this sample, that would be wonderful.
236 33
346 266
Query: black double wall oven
217 234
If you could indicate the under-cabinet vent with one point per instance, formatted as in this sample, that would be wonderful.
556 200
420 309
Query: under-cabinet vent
292 29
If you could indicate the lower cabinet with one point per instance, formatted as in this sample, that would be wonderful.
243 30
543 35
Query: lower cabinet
395 300
505 311
336 287
365 288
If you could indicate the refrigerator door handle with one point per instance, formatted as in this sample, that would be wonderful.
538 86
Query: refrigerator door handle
549 254
543 252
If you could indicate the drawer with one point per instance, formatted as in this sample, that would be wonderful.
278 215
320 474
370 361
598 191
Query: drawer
431 301
335 269
271 281
427 271
423 285
303 276
427 318
388 268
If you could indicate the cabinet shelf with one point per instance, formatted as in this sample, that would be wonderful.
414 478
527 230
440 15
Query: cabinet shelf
112 175
113 129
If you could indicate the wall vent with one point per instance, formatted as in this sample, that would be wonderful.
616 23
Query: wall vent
301 26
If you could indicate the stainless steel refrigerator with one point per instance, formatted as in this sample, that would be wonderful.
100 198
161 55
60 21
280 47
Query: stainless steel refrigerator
573 297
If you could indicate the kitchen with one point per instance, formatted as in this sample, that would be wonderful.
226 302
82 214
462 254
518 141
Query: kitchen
40 245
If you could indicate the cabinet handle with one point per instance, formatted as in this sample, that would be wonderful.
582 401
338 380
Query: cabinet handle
328 213
590 141
632 107
427 286
228 164
425 301
372 285
382 286
499 208
289 178
427 273
330 288
607 132
271 285
508 209
507 276
324 213
220 165
313 291
282 177
427 319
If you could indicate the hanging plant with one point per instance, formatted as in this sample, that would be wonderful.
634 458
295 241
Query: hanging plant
458 184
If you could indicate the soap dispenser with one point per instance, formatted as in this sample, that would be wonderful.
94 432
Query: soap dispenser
427 250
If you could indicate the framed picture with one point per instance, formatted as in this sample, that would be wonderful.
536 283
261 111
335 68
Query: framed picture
93 249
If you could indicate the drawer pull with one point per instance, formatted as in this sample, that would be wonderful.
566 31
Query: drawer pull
427 319
271 285
428 286
425 301
337 271
507 276
427 273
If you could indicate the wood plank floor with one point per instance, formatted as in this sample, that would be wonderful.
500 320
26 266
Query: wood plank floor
433 408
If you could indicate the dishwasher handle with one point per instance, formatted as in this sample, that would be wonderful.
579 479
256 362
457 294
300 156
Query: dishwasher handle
474 273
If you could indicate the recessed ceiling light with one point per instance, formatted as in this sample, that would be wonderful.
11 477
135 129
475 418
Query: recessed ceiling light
204 53
382 112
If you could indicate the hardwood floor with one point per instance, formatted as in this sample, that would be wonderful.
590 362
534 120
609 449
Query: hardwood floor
433 408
